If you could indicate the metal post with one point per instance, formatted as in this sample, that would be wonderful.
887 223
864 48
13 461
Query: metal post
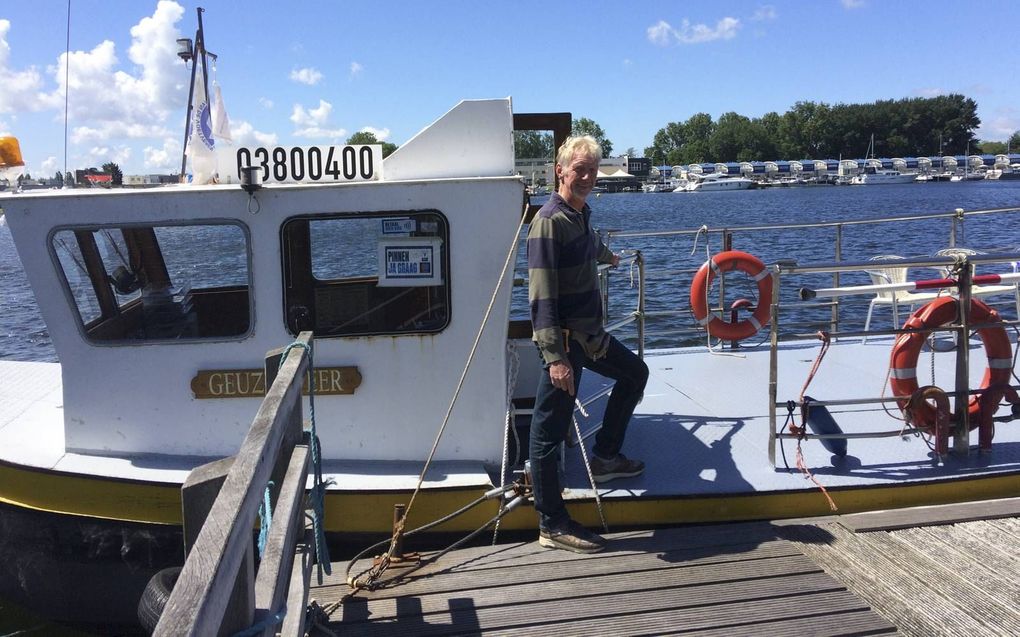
727 245
773 364
961 437
198 56
834 326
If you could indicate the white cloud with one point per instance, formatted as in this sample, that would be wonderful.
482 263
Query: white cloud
99 155
244 134
382 134
318 132
311 117
307 76
101 94
852 4
929 91
313 123
356 70
1000 126
664 34
265 103
49 165
764 13
20 88
116 130
166 158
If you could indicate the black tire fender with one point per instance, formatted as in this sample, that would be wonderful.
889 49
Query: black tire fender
155 596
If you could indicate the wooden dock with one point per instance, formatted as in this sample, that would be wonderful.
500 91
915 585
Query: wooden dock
817 577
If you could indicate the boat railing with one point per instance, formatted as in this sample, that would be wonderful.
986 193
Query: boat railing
218 590
961 328
729 238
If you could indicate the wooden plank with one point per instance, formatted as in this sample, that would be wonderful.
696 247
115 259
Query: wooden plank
938 579
198 601
288 522
898 594
198 493
297 595
986 575
534 570
855 622
705 606
990 539
929 515
704 540
576 586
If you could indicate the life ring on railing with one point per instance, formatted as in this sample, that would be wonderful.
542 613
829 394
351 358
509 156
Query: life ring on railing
907 348
726 262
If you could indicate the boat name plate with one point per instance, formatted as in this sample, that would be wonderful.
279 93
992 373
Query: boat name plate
251 383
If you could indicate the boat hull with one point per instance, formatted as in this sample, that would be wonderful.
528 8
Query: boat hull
76 570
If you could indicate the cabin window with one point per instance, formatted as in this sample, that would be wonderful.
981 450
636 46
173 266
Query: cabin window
367 274
176 282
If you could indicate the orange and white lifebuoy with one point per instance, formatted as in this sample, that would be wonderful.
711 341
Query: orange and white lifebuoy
907 348
726 262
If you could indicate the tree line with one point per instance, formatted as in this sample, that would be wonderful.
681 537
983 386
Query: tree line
910 127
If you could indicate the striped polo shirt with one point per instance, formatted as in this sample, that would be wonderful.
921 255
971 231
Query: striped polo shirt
563 290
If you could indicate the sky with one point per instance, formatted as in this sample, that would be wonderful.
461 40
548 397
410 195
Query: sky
307 72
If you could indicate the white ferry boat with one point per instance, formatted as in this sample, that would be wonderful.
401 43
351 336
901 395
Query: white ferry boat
162 304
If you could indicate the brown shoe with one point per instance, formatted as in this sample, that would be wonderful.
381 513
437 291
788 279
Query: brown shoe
618 467
573 537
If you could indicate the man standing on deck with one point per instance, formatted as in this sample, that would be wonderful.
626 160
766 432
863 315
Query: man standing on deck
566 316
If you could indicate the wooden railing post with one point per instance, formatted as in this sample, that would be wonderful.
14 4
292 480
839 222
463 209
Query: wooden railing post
198 493
221 502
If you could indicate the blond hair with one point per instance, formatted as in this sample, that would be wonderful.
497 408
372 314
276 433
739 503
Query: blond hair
579 144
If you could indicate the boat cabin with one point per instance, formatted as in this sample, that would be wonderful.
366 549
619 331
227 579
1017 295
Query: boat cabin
161 303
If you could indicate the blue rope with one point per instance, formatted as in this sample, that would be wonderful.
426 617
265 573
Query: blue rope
270 620
265 519
318 491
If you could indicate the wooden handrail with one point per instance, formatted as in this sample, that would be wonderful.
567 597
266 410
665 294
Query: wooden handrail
206 586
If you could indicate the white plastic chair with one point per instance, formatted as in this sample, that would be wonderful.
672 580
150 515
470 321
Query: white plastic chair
893 299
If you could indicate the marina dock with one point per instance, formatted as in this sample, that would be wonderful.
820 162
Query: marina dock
954 575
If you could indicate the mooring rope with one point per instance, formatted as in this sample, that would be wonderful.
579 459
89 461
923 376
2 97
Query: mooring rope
511 428
265 518
399 526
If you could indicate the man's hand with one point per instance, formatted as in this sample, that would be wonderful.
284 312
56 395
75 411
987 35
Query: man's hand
615 261
562 376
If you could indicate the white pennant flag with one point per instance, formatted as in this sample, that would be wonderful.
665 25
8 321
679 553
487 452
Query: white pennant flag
200 143
220 121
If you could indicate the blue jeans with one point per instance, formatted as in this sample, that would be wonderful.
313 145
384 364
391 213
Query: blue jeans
552 419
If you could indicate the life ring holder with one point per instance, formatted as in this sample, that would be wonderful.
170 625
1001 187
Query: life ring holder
907 348
726 262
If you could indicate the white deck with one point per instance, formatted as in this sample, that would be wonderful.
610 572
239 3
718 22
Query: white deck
703 426
702 429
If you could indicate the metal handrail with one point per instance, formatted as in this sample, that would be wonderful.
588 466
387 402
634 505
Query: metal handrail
957 214
963 328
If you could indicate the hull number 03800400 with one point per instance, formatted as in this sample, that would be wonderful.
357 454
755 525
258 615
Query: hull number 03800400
312 164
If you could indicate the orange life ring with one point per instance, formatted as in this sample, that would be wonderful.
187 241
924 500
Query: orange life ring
907 348
726 262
